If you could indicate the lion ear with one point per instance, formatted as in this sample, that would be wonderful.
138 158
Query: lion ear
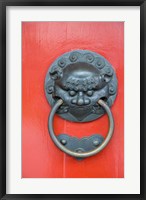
107 78
49 87
56 73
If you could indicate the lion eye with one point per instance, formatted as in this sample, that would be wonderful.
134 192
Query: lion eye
89 93
72 93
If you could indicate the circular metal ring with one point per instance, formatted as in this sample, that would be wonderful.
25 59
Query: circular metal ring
81 154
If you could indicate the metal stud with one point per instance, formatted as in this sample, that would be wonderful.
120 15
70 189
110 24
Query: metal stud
89 58
73 57
100 63
61 62
95 142
63 141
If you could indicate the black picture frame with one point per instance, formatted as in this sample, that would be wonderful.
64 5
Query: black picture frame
3 126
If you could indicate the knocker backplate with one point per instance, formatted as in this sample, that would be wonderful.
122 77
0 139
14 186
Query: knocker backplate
80 78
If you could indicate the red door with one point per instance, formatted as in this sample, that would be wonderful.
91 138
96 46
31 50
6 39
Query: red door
42 43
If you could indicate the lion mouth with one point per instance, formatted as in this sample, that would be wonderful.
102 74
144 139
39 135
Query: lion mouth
81 112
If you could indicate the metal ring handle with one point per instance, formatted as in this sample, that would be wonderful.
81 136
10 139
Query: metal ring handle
81 154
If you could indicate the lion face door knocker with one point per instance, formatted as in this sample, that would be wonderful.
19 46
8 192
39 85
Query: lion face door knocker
81 86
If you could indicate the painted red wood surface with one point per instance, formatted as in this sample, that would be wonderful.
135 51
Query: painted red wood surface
42 43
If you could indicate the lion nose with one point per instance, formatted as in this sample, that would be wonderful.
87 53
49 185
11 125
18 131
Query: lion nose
81 100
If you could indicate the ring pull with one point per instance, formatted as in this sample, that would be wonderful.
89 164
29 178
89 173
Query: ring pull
81 154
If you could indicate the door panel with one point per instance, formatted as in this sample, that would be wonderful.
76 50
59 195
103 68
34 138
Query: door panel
42 43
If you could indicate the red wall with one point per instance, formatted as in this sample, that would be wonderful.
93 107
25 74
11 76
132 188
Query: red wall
42 43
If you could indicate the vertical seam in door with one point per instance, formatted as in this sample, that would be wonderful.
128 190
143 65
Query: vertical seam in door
64 167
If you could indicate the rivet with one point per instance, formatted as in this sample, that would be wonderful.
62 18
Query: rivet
100 63
63 141
79 150
89 58
95 142
73 57
61 63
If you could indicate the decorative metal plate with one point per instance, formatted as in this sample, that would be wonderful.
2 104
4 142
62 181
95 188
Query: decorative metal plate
80 78
81 145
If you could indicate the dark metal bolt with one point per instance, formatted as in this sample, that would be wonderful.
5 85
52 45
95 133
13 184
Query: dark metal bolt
95 142
63 141
79 150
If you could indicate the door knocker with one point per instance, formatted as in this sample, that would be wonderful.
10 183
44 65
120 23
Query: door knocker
81 86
